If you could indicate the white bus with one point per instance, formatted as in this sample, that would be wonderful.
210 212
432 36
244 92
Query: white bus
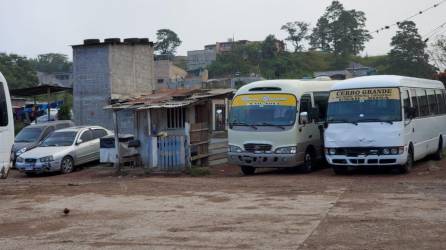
277 124
384 121
6 128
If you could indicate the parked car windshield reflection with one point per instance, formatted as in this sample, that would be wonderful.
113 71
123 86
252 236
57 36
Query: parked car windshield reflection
59 139
28 135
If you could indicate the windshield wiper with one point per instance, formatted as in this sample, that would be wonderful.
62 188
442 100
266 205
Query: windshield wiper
343 121
243 124
375 120
273 125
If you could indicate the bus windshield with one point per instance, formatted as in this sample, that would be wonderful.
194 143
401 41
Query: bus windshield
364 105
263 110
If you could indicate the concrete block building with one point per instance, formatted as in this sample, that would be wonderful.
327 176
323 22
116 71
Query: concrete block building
108 70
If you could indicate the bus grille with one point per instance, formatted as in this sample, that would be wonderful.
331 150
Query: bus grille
252 147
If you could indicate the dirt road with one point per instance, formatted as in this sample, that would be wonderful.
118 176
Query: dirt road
271 210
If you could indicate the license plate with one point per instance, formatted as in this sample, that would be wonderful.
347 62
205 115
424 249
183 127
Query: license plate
29 166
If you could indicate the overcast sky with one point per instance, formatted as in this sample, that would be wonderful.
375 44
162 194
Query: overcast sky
41 26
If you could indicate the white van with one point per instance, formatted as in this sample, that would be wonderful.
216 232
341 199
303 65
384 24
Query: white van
6 128
277 124
384 121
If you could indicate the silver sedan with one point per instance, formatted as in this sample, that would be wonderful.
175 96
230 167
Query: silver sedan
62 150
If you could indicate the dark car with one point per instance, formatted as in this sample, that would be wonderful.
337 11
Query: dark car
30 136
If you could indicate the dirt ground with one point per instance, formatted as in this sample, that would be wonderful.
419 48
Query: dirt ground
271 210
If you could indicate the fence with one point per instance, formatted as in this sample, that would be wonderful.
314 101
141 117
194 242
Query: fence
171 153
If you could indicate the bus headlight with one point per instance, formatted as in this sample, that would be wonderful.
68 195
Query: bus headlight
234 149
286 150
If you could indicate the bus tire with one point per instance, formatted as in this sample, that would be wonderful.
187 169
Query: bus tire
248 170
438 156
407 167
309 161
340 170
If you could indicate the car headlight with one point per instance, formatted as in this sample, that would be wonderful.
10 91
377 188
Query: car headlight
21 151
235 149
20 159
286 150
46 159
386 151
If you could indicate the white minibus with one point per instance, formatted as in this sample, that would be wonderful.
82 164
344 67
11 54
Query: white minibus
384 121
277 124
6 128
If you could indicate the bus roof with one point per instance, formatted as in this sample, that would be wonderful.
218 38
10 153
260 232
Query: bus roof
296 87
383 81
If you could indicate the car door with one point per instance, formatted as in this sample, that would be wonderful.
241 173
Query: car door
84 147
97 135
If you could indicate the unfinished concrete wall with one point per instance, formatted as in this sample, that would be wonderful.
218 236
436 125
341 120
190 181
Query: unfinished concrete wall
131 68
91 87
105 71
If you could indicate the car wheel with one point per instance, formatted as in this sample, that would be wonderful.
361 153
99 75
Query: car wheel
309 161
407 167
67 165
438 156
248 170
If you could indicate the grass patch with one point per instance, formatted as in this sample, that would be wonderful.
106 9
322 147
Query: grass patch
198 171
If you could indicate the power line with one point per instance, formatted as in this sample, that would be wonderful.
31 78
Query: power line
421 12
436 31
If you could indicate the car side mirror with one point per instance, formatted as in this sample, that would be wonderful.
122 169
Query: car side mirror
79 141
304 118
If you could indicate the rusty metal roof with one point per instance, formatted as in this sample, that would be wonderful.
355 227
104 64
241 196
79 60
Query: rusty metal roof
167 98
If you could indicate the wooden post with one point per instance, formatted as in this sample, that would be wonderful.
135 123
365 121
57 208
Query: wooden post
187 144
34 113
118 153
49 102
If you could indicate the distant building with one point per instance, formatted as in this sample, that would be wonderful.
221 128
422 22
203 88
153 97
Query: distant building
353 70
63 79
201 59
104 71
168 75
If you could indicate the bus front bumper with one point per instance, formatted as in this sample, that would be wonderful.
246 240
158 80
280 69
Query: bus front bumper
266 160
367 160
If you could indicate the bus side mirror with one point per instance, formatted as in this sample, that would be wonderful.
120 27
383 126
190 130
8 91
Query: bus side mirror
411 112
303 118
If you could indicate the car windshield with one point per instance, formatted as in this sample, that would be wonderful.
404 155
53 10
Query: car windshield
263 110
28 135
59 139
364 105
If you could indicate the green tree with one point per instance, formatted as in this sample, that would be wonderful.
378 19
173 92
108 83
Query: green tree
52 63
408 56
297 33
18 71
167 42
438 52
269 47
340 31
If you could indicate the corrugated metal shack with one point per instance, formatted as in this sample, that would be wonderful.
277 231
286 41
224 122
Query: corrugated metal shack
173 125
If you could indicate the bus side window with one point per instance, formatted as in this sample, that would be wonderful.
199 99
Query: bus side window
406 103
415 102
305 104
423 103
321 102
440 101
433 105
3 107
